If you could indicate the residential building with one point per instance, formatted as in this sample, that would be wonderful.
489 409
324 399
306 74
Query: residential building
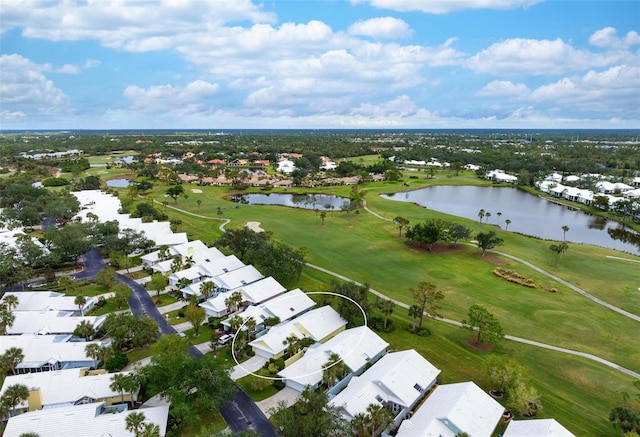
90 420
397 381
536 428
64 388
319 324
452 409
49 301
50 322
357 347
500 176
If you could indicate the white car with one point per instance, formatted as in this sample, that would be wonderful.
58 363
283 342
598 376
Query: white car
226 338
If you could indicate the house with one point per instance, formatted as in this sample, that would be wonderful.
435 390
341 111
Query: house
253 293
48 301
90 420
196 250
636 181
632 194
397 381
452 409
63 388
319 324
216 162
546 185
536 428
607 187
44 353
283 307
236 278
10 238
285 166
500 176
50 322
357 347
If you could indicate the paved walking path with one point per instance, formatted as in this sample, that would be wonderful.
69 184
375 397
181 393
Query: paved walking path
288 395
171 307
253 364
206 217
508 337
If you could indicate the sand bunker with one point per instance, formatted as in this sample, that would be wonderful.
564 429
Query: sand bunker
254 226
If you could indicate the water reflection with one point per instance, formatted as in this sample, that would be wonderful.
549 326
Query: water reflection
527 214
321 202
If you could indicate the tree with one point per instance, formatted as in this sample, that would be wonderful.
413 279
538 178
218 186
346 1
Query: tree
134 422
323 215
559 249
358 293
360 425
293 344
11 301
414 313
6 319
14 395
481 214
243 242
429 232
498 214
488 327
80 301
458 231
199 202
387 306
121 294
488 240
66 283
250 324
235 323
232 302
507 222
106 277
333 370
174 192
196 316
123 382
400 223
426 297
524 399
93 351
157 283
487 215
505 372
207 288
84 330
565 229
379 417
625 418
192 386
311 415
281 261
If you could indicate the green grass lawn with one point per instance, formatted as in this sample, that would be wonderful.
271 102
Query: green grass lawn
138 354
577 392
257 388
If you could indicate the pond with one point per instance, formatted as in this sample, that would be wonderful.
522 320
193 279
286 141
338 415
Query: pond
321 202
118 183
528 214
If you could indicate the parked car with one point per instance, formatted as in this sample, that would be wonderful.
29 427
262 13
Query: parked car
226 338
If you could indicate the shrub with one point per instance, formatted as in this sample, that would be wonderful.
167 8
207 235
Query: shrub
117 362
278 384
180 313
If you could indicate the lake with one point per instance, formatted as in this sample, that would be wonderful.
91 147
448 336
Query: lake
321 202
118 183
529 214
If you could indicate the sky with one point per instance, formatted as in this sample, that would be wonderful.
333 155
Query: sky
319 64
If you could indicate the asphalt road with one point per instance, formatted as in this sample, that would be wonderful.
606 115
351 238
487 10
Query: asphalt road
240 412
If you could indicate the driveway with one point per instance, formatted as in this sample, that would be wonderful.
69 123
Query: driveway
251 365
288 395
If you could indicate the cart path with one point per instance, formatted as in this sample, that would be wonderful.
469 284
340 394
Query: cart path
508 337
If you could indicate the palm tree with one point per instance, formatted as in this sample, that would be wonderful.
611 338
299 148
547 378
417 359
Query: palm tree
378 415
14 395
414 313
233 301
84 330
149 430
508 222
235 323
487 215
6 319
199 202
93 351
13 356
207 288
122 382
80 301
134 422
11 301
498 214
565 229
292 344
250 324
183 283
481 215
387 308
188 262
323 215
360 425
333 369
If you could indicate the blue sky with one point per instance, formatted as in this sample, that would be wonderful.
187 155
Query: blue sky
223 64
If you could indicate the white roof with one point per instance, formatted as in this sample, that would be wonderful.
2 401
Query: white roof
261 290
45 301
536 428
454 408
284 307
49 322
315 324
398 377
220 265
39 349
355 346
9 237
64 386
190 248
82 421
237 278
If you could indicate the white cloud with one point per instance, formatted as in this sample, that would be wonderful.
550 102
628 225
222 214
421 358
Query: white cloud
26 89
68 69
446 6
503 88
538 57
614 91
399 107
381 28
608 38
11 116
195 97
